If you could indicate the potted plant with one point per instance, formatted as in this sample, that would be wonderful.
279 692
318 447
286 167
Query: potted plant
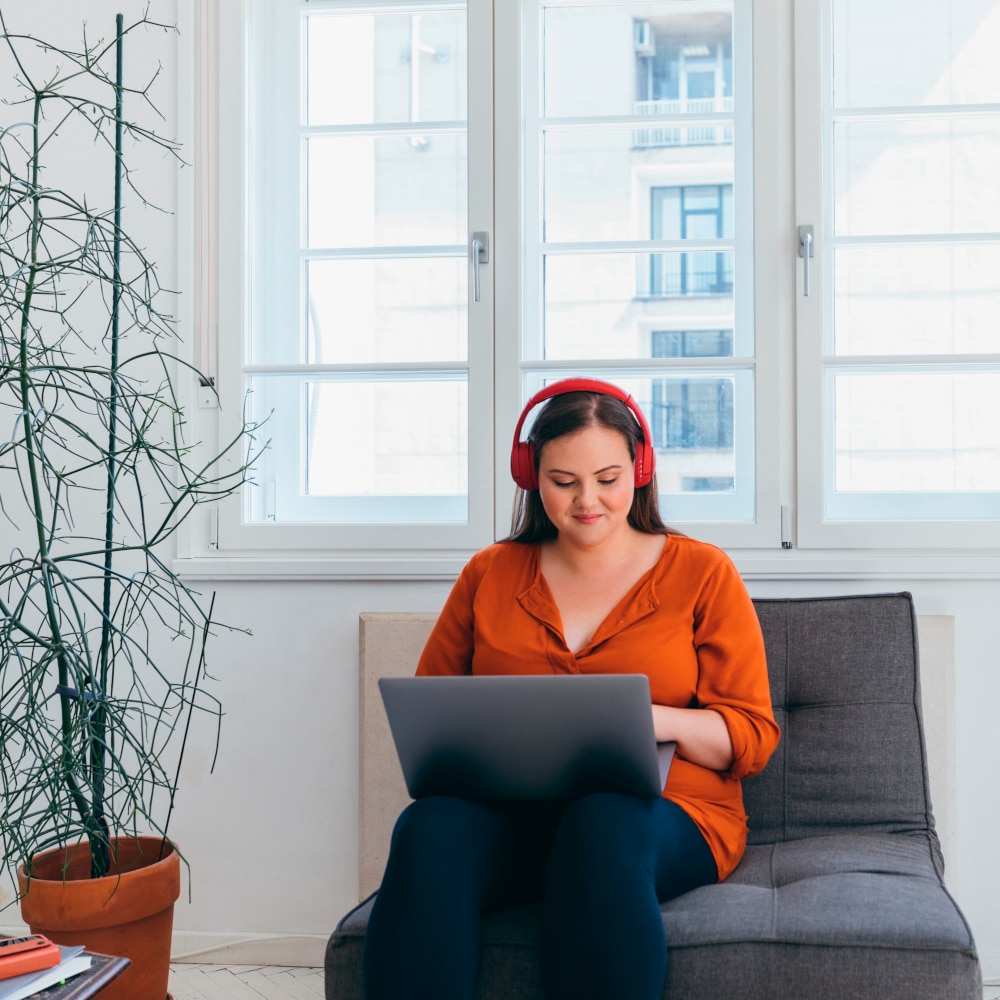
101 643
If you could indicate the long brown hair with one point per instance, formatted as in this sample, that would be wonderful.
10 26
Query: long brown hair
565 414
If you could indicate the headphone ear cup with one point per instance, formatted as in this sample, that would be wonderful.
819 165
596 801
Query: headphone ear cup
523 466
645 463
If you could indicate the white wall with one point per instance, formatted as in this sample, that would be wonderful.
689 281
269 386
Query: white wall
272 836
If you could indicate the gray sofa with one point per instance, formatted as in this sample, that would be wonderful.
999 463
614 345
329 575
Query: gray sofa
840 893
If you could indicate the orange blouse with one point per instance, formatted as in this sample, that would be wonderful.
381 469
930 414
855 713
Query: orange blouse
688 624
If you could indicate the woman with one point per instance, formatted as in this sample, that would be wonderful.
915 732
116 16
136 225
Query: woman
589 581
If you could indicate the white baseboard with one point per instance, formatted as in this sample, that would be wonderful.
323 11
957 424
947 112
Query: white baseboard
204 947
989 961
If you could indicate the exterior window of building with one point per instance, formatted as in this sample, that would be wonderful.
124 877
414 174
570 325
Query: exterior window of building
697 212
695 414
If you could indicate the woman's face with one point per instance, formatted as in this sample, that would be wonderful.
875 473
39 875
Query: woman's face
586 484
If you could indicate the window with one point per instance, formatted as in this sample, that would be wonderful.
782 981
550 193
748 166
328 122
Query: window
898 338
368 348
446 208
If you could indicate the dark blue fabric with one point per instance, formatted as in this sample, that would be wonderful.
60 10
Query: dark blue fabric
601 865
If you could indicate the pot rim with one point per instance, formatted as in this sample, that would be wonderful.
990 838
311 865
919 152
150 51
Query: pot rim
107 901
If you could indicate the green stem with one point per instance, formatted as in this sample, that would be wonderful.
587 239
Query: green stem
38 510
99 851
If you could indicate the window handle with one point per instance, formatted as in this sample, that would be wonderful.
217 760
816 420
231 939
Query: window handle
807 249
480 253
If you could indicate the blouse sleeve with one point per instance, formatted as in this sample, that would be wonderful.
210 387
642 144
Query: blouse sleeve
732 669
449 647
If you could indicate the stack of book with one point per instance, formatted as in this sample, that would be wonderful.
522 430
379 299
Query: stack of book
31 964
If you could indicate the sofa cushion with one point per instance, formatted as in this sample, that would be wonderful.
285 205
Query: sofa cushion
877 890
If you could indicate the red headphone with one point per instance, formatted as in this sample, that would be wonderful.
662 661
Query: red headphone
522 455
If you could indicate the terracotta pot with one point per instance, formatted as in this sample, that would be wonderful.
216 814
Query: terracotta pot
131 915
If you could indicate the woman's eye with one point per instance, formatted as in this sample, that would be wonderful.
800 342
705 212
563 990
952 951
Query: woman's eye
608 482
563 486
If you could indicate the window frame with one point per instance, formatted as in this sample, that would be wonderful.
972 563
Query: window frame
382 546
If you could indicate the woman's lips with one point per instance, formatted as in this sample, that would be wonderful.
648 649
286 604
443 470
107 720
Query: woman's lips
586 518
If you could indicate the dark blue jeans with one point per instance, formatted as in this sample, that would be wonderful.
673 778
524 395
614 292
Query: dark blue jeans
601 866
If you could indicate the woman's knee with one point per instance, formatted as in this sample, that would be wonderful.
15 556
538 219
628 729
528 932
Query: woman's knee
430 832
606 824
430 818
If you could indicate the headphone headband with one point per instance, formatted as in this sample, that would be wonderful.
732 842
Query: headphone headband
522 455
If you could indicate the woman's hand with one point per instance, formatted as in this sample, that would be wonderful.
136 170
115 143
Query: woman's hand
701 735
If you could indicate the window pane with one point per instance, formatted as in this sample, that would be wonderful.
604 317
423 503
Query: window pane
390 191
598 184
917 431
917 300
607 305
917 176
395 67
395 310
388 450
371 451
670 55
896 52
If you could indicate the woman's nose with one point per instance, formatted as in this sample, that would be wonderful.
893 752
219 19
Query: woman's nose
584 494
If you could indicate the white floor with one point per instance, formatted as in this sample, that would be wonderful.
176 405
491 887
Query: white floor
244 982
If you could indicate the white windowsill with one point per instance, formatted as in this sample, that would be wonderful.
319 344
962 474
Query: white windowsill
792 564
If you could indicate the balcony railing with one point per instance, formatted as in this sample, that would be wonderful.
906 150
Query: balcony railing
703 273
692 423
684 135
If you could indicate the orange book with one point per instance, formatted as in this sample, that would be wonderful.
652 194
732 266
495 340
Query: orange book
30 954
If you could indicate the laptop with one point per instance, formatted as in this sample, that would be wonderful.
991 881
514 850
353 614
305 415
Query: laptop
526 737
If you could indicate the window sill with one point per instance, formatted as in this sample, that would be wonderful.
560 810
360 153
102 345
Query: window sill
349 566
793 564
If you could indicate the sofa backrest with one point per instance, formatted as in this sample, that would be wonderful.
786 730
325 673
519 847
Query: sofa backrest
845 687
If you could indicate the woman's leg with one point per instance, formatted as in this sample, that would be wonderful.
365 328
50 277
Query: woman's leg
450 860
614 858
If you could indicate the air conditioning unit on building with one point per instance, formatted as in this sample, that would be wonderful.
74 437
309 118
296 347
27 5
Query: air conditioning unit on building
645 40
